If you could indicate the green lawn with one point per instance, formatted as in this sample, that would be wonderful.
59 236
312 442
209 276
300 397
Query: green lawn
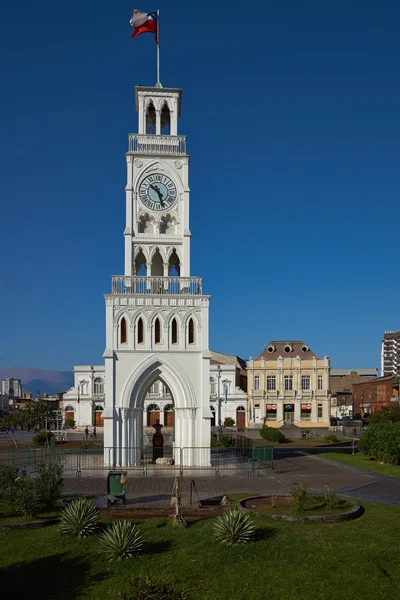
289 561
361 461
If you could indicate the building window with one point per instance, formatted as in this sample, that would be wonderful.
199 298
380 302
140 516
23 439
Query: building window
288 383
174 332
257 383
140 335
98 386
271 412
123 331
213 389
305 414
319 414
191 332
305 383
157 331
320 382
271 383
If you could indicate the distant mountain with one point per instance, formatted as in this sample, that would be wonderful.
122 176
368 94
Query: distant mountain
34 380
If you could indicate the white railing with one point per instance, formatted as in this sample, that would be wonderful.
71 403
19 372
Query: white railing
157 144
191 286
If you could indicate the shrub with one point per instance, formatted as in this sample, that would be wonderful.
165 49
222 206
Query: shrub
331 439
147 588
122 540
227 441
8 475
229 422
42 438
272 435
382 442
301 495
331 499
79 518
48 483
70 423
25 500
390 414
233 528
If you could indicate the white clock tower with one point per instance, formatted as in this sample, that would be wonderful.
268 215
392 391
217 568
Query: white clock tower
157 315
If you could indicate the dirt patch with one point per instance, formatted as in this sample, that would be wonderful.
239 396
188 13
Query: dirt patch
263 505
162 513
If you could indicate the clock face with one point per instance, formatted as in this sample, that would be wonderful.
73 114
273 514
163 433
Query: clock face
157 192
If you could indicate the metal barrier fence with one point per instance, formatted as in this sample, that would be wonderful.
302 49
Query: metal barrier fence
244 455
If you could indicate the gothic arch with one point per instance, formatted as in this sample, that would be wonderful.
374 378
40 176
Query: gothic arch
174 262
196 318
165 117
170 372
122 312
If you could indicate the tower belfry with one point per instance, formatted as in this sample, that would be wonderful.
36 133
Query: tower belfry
157 315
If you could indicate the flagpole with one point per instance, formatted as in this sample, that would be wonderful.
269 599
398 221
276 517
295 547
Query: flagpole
158 49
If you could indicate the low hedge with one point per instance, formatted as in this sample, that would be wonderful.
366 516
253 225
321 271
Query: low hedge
382 442
42 438
272 435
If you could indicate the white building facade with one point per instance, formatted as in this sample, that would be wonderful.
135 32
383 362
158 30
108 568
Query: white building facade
226 397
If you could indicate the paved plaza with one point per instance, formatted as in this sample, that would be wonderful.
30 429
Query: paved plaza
291 467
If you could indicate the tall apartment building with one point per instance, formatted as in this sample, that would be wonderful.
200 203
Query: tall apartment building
11 387
390 353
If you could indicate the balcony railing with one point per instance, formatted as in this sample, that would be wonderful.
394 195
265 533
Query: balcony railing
157 144
173 286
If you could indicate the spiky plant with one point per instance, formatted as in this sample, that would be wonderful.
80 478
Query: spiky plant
79 518
149 588
233 528
122 540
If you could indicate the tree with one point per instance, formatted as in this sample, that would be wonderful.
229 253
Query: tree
387 414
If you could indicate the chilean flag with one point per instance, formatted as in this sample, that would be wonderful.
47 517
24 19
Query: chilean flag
144 23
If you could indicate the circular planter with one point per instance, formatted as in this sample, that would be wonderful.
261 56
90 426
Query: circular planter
29 524
354 512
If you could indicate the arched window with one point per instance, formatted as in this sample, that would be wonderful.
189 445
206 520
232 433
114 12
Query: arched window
174 332
150 118
140 331
69 408
191 332
157 331
123 330
98 386
165 120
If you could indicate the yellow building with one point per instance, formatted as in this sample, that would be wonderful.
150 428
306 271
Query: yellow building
288 384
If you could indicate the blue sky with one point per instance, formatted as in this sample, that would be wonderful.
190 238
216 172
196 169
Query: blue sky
291 114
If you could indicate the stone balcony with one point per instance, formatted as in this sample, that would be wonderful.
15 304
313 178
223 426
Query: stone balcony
157 144
159 286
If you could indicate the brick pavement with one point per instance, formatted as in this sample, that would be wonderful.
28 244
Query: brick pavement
292 467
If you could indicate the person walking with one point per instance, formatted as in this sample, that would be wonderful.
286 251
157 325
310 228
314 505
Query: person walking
86 432
94 432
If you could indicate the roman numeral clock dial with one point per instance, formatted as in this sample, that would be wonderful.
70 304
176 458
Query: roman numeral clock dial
157 192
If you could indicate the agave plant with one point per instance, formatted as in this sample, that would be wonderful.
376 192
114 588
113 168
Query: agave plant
122 540
79 518
233 528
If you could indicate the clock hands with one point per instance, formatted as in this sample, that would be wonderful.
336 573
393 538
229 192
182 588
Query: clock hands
159 194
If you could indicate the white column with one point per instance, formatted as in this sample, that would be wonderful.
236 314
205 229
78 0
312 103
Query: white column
158 121
297 413
166 269
124 437
279 412
142 117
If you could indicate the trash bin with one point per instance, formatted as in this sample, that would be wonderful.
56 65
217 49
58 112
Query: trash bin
116 486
